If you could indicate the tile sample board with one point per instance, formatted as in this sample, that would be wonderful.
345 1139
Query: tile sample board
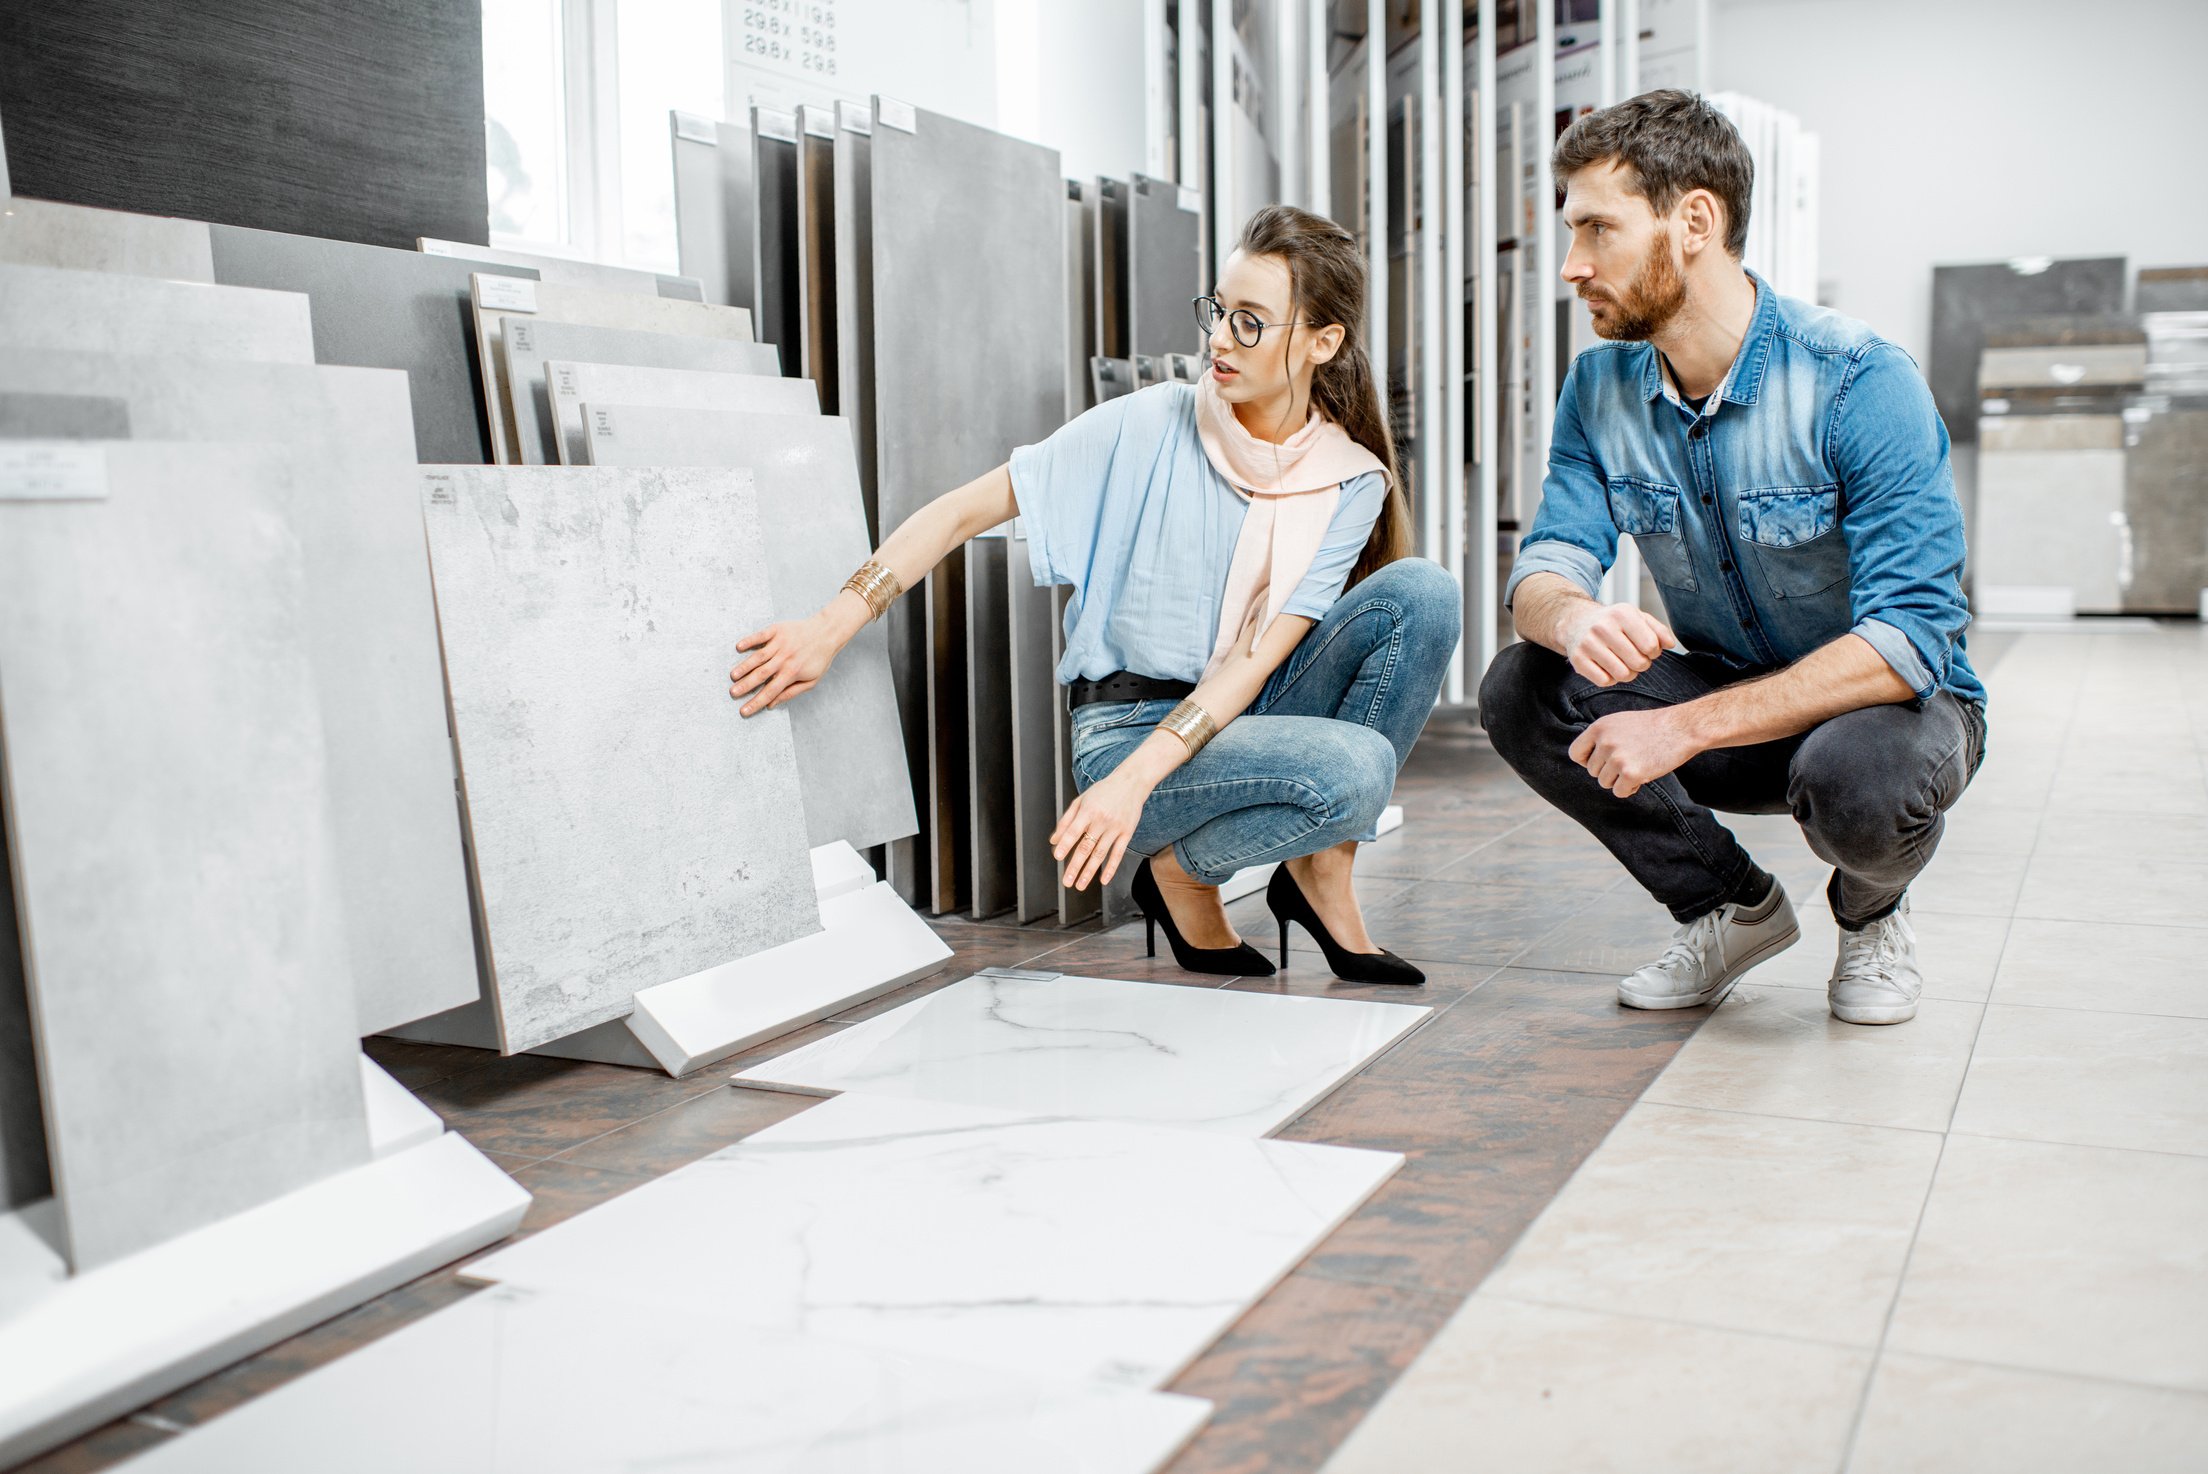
375 307
1046 1044
1036 702
170 834
80 238
372 621
1073 906
627 827
701 243
816 250
359 122
496 300
1164 268
1051 1248
530 343
566 271
850 761
102 312
24 1173
739 206
949 406
604 387
775 249
989 770
519 1383
1967 299
852 173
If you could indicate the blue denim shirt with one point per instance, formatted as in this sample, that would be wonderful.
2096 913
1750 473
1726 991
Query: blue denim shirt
1810 498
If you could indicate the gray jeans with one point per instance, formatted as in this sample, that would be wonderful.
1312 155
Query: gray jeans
1871 788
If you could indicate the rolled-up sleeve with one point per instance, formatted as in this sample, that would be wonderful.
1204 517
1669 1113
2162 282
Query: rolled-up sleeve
1903 523
1059 484
1359 508
1573 533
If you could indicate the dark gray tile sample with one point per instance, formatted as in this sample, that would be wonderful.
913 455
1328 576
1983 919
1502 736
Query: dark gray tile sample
777 298
375 307
1967 298
372 621
359 122
100 312
566 271
850 753
816 251
24 1174
531 343
1031 611
80 238
1109 220
627 826
1080 244
169 823
950 405
2171 289
701 224
2166 505
991 825
1073 906
1164 269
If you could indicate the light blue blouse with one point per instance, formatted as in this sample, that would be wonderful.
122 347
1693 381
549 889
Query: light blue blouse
1124 505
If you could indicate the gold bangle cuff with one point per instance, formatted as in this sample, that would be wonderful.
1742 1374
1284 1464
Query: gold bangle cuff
1192 724
879 587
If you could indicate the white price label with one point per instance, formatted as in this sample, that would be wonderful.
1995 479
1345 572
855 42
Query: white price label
601 423
1191 201
437 486
521 335
563 379
779 126
891 113
32 471
505 293
819 122
695 128
855 117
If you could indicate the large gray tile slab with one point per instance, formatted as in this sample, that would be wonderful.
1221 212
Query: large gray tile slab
1048 1247
1929 1416
850 756
101 312
1164 267
172 844
531 343
992 819
2099 1079
2104 965
1968 298
373 624
567 271
701 239
376 307
561 301
510 1382
627 827
606 386
80 238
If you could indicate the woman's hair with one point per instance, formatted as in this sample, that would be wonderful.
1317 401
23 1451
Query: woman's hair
1326 282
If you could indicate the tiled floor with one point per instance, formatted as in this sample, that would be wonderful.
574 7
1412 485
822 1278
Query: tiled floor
1792 1244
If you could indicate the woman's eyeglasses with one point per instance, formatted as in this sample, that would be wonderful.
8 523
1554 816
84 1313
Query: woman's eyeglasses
1241 322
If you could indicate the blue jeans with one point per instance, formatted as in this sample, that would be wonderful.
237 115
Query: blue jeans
1313 761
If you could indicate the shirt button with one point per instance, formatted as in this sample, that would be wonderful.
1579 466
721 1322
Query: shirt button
1725 565
1747 624
1701 428
1705 499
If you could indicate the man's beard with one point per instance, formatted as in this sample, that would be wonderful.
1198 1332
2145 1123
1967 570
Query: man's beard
1649 302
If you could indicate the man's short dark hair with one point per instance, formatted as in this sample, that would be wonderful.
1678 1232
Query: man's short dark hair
1671 143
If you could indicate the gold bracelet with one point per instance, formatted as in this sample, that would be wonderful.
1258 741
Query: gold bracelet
875 584
1192 724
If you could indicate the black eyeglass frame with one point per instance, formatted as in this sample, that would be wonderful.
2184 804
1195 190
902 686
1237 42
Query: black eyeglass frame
1235 323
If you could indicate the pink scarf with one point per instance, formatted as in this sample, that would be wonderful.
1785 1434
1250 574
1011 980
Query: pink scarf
1293 489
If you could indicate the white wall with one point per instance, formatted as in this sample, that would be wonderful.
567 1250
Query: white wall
1976 130
1070 76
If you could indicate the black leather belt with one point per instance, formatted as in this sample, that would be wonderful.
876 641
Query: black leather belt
1125 685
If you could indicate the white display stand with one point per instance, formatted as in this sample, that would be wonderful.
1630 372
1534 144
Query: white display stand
78 1351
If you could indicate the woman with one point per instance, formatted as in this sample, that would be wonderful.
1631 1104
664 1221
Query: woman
1231 705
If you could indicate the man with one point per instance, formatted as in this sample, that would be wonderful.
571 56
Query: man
1785 476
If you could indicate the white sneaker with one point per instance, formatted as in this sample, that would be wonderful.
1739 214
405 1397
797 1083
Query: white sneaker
1709 954
1876 979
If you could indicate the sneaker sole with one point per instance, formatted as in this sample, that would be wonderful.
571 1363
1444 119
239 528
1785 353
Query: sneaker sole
1716 992
1895 1013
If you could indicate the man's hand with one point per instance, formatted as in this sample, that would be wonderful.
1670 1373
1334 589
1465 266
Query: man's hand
1092 835
1628 750
1613 644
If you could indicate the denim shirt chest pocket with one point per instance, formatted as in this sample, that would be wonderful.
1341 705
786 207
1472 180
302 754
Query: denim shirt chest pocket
1649 512
1793 535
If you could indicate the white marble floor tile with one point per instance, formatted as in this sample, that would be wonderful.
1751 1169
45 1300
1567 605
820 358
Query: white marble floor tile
2106 966
2096 1079
1780 1052
1927 1416
1959 953
1057 1248
2074 1259
2069 887
1512 1386
516 1382
1741 1222
1207 1058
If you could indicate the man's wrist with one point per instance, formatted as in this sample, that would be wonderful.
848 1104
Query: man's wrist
1698 723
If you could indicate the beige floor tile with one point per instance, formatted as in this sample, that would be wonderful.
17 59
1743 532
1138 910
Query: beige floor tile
1742 1222
2097 1079
2105 966
1959 953
2061 886
1536 1388
1937 1417
2075 1259
1987 827
2127 840
1969 882
1780 1052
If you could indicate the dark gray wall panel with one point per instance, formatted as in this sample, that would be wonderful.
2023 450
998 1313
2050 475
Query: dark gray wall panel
1164 270
360 122
1965 299
375 307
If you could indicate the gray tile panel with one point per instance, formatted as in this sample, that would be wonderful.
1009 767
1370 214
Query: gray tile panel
701 239
1164 270
102 312
80 238
568 272
576 387
530 343
1967 298
992 821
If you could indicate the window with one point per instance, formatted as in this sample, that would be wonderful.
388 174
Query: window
670 58
524 101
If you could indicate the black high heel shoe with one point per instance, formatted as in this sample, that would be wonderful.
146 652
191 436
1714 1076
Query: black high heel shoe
1286 900
1239 961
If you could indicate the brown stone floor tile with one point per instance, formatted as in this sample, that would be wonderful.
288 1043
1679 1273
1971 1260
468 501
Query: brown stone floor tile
1527 856
1437 921
1429 841
976 945
416 1065
102 1448
1297 1373
560 1190
1610 938
527 1106
1119 953
1306 976
683 1133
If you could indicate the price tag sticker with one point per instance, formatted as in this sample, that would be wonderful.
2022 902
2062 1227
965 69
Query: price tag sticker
601 423
36 471
894 114
563 379
437 487
522 336
1191 201
505 293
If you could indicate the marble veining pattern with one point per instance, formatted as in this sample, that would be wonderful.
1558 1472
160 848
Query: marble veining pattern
1206 1058
1033 1244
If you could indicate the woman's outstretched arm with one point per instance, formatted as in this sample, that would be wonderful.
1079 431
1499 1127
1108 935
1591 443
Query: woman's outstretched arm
788 659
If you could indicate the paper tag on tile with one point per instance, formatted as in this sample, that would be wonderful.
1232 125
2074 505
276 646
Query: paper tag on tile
819 123
563 379
1191 201
601 423
521 335
781 127
695 128
42 471
506 293
433 248
891 113
855 117
439 487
